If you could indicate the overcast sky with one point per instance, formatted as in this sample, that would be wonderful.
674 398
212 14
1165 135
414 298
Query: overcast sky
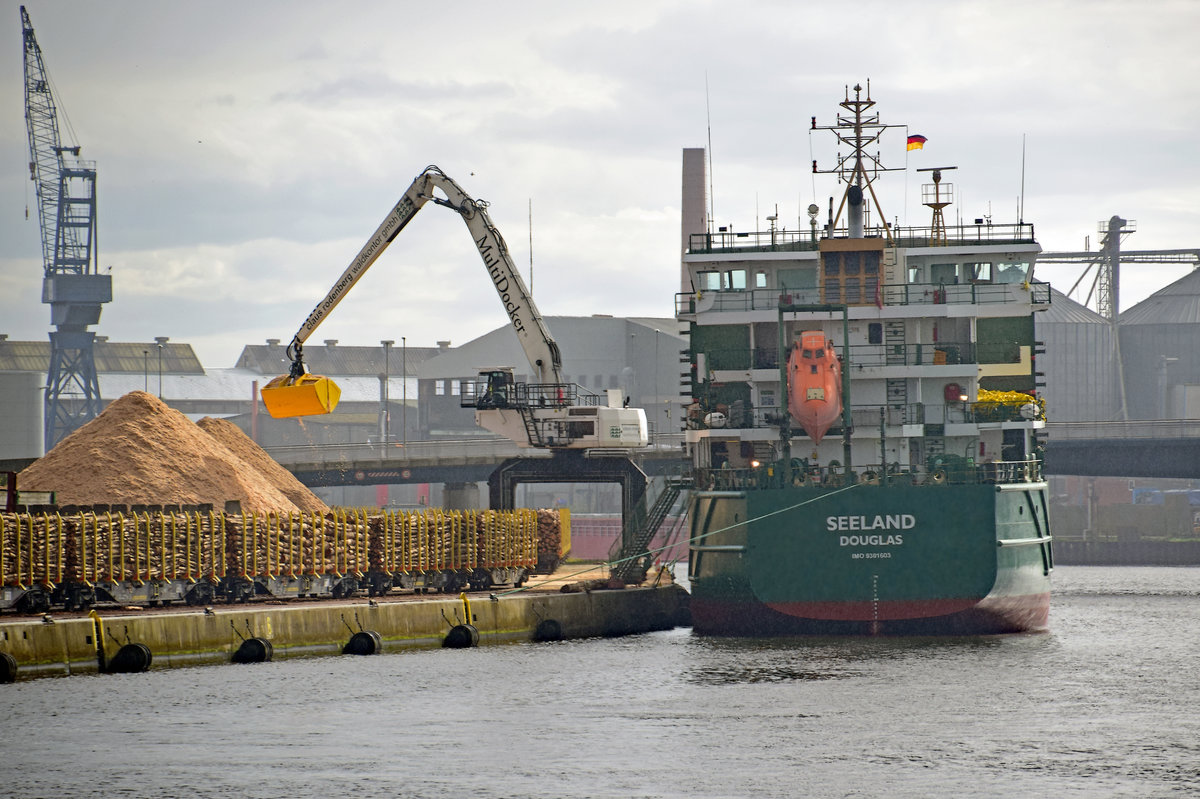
247 150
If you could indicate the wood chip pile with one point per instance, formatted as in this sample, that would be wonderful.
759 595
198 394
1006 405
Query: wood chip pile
139 451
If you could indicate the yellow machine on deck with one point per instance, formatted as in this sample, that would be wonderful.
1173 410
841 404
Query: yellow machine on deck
306 395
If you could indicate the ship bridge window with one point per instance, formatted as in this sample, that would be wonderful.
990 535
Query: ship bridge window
943 273
760 279
979 272
735 280
708 281
1012 272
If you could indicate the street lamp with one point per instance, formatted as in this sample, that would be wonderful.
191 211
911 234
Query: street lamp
657 335
387 410
161 342
404 390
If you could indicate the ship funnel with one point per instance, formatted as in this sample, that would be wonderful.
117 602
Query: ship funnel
854 213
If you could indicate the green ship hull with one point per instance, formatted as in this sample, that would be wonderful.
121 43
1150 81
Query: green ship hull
871 559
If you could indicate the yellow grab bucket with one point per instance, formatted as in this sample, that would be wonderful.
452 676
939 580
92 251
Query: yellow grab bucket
307 395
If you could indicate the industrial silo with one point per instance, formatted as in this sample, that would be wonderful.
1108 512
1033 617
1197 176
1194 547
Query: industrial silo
1079 362
1160 355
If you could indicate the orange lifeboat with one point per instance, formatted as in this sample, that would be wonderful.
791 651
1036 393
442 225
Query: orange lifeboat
814 384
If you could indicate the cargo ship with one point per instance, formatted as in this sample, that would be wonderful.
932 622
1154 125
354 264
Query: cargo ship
899 490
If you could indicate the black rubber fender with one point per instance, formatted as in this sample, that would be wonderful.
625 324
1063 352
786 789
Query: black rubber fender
367 642
254 650
548 630
8 668
131 659
461 636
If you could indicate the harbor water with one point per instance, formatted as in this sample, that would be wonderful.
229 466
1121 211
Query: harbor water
1105 704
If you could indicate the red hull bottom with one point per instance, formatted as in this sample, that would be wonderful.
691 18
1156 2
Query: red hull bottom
989 616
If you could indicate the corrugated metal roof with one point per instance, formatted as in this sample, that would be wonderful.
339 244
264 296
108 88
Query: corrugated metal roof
111 356
580 338
1065 310
236 385
335 361
1176 304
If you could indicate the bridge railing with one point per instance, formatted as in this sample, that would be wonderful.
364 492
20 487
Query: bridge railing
436 450
1148 428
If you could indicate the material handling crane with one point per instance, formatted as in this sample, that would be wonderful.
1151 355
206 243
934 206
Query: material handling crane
546 413
71 284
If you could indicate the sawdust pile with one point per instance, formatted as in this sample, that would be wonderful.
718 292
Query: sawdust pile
244 447
139 451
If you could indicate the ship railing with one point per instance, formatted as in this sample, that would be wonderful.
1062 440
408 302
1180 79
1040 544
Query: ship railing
475 394
799 473
872 355
741 416
762 299
981 233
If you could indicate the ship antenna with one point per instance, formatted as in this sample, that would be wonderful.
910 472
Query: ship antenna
858 129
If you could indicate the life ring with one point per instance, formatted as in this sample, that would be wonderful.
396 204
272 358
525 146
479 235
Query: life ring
870 478
938 477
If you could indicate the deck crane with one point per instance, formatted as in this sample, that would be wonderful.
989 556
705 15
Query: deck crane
546 413
71 283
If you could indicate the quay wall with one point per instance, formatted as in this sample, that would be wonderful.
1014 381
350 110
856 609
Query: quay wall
66 646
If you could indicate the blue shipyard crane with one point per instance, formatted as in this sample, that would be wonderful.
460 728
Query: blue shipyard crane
71 284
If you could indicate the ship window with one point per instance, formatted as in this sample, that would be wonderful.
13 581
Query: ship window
708 281
808 353
814 368
981 272
943 273
735 279
439 387
454 387
851 263
820 353
1011 273
805 278
760 279
874 333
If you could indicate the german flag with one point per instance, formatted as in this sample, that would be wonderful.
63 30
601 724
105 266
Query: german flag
916 142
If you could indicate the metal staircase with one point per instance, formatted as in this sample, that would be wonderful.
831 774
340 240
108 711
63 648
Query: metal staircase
631 558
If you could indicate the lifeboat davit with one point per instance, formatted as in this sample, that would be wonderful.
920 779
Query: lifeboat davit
814 384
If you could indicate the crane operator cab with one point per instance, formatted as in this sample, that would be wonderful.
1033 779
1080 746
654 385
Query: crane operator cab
498 387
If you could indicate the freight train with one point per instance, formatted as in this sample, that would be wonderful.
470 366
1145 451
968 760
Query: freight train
197 556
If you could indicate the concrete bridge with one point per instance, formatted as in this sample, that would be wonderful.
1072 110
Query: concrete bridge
463 461
1168 448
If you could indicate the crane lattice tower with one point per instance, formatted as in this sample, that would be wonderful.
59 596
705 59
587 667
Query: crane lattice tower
71 284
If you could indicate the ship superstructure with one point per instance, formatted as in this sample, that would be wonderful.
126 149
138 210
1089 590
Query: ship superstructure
922 506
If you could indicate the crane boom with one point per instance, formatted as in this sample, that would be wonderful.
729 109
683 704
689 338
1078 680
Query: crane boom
544 413
71 284
539 346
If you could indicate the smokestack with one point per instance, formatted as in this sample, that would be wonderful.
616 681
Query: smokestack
854 212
